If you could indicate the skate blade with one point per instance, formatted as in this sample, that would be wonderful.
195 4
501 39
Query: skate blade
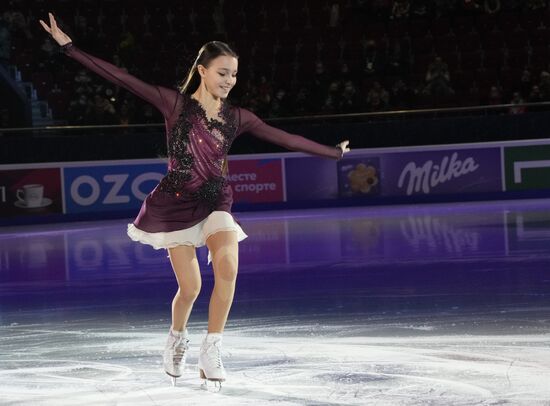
217 383
173 378
209 388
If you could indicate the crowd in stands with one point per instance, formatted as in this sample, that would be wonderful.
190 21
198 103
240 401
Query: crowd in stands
296 58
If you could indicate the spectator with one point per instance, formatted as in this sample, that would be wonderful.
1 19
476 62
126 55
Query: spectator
381 9
545 85
372 61
344 73
263 96
48 49
438 79
400 9
5 42
56 89
264 89
491 6
219 21
301 102
377 98
495 96
401 95
473 6
83 83
101 111
78 109
285 26
511 5
125 115
169 17
279 106
474 94
148 114
525 83
249 93
517 99
318 86
4 119
17 24
348 102
421 8
192 16
444 7
332 99
334 15
535 96
241 14
534 5
127 47
396 62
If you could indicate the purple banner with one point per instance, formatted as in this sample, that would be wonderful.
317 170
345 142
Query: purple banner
310 178
441 171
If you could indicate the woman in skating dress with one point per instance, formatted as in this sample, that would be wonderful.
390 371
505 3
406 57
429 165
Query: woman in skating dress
191 205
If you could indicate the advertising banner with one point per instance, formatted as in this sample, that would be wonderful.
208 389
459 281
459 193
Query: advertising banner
441 171
256 180
310 178
527 167
359 176
109 188
34 192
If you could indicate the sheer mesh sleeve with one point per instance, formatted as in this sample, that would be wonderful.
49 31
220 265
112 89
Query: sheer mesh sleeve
162 98
250 123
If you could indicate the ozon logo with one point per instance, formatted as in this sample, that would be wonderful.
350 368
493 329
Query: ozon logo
114 184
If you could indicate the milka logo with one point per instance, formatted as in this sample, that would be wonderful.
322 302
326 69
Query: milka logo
429 175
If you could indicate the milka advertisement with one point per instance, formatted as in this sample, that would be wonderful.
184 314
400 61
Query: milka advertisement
441 171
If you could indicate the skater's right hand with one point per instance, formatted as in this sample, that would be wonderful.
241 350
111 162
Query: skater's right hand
55 32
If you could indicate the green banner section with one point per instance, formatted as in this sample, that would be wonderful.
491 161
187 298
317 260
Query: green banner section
527 167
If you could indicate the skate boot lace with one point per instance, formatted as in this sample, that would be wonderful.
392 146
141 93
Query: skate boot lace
180 347
214 354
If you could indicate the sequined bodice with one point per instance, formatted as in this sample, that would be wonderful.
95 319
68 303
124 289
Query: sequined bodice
197 148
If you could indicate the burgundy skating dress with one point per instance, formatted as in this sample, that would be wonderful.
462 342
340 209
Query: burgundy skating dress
194 186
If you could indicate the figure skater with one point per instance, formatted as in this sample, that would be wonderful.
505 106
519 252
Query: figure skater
191 206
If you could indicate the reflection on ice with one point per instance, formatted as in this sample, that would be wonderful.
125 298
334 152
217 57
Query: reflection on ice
98 250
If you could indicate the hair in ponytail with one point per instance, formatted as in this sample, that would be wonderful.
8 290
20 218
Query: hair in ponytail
209 51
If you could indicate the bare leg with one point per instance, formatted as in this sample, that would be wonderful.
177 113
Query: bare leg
186 267
225 252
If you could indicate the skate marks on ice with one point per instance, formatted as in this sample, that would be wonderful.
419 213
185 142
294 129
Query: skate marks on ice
283 360
411 365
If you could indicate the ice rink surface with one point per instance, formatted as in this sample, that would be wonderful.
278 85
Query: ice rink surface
443 304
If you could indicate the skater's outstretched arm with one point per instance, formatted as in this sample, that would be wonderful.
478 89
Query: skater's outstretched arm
249 122
162 98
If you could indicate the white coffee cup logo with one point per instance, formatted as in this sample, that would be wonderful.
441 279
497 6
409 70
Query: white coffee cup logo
31 195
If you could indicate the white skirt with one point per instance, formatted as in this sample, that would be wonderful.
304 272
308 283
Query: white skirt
195 236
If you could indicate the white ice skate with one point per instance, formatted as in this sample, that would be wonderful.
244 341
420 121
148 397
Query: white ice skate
210 361
175 353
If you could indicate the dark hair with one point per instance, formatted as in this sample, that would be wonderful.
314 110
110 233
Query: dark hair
208 52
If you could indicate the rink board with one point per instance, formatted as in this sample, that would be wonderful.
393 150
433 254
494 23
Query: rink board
455 172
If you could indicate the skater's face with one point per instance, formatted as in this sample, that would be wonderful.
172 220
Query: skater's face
220 75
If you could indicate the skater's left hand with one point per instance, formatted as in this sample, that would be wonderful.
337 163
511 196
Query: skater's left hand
344 146
59 36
